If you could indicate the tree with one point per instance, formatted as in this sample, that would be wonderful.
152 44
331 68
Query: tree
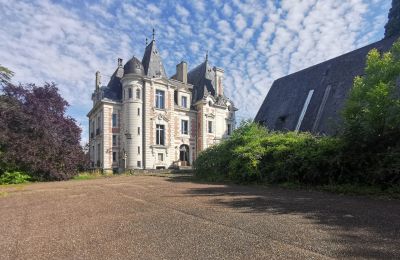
372 112
36 135
392 27
5 75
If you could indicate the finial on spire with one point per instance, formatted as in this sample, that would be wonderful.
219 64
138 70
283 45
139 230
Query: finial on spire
207 55
154 33
146 41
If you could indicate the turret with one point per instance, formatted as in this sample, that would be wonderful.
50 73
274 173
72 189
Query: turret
132 87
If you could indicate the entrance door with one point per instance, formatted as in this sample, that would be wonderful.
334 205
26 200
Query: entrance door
184 155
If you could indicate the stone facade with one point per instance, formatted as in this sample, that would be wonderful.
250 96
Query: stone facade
144 120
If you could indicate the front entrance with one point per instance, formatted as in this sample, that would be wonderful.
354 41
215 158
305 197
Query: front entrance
184 155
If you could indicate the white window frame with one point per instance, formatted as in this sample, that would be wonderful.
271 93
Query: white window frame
187 127
160 99
184 104
160 134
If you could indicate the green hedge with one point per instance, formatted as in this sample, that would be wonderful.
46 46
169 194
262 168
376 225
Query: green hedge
254 154
14 177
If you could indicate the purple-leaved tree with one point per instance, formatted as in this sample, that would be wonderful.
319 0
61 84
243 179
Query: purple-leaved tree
36 135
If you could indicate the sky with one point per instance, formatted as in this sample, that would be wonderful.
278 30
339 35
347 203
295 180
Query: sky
255 42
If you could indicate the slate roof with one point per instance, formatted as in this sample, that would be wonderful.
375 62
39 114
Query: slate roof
331 81
152 63
113 90
134 66
201 78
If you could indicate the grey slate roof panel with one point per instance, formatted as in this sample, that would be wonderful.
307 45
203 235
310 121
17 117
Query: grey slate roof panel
201 78
152 62
134 66
113 90
333 78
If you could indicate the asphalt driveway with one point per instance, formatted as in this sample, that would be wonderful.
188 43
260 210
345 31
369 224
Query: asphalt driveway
145 217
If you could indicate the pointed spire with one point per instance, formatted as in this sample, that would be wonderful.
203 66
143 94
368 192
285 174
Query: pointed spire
207 56
154 34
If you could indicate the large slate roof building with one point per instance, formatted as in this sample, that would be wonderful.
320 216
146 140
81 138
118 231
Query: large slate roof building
311 99
144 120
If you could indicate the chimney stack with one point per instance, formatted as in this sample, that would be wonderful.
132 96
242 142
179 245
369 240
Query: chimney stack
120 70
218 81
98 80
181 72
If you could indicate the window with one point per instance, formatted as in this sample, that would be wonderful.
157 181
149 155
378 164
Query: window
229 129
139 164
114 140
160 157
138 130
98 125
160 134
114 156
129 93
210 127
114 120
304 110
184 101
137 93
160 95
138 150
184 127
92 130
138 111
98 155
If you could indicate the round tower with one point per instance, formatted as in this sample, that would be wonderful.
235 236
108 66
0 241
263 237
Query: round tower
132 95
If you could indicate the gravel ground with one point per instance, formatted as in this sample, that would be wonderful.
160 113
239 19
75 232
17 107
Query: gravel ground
148 217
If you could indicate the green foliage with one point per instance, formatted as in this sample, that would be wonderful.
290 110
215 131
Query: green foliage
14 177
5 75
371 117
372 112
366 154
253 154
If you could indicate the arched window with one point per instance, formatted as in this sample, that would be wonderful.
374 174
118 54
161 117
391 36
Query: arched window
137 93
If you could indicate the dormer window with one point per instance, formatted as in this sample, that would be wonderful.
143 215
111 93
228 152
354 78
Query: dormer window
184 101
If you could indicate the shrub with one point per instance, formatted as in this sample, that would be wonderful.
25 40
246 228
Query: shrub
14 177
254 154
301 158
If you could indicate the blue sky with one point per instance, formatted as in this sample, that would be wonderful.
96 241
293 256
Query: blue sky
255 42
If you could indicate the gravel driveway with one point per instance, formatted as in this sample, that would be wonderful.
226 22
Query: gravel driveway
148 217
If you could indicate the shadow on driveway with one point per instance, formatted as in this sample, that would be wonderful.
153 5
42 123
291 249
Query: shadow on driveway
360 226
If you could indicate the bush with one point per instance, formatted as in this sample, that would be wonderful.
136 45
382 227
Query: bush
254 154
14 177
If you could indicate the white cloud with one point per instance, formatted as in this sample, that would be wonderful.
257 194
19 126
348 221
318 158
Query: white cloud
182 11
254 41
240 22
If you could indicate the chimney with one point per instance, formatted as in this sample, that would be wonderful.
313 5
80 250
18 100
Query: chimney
98 80
120 70
181 72
218 81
